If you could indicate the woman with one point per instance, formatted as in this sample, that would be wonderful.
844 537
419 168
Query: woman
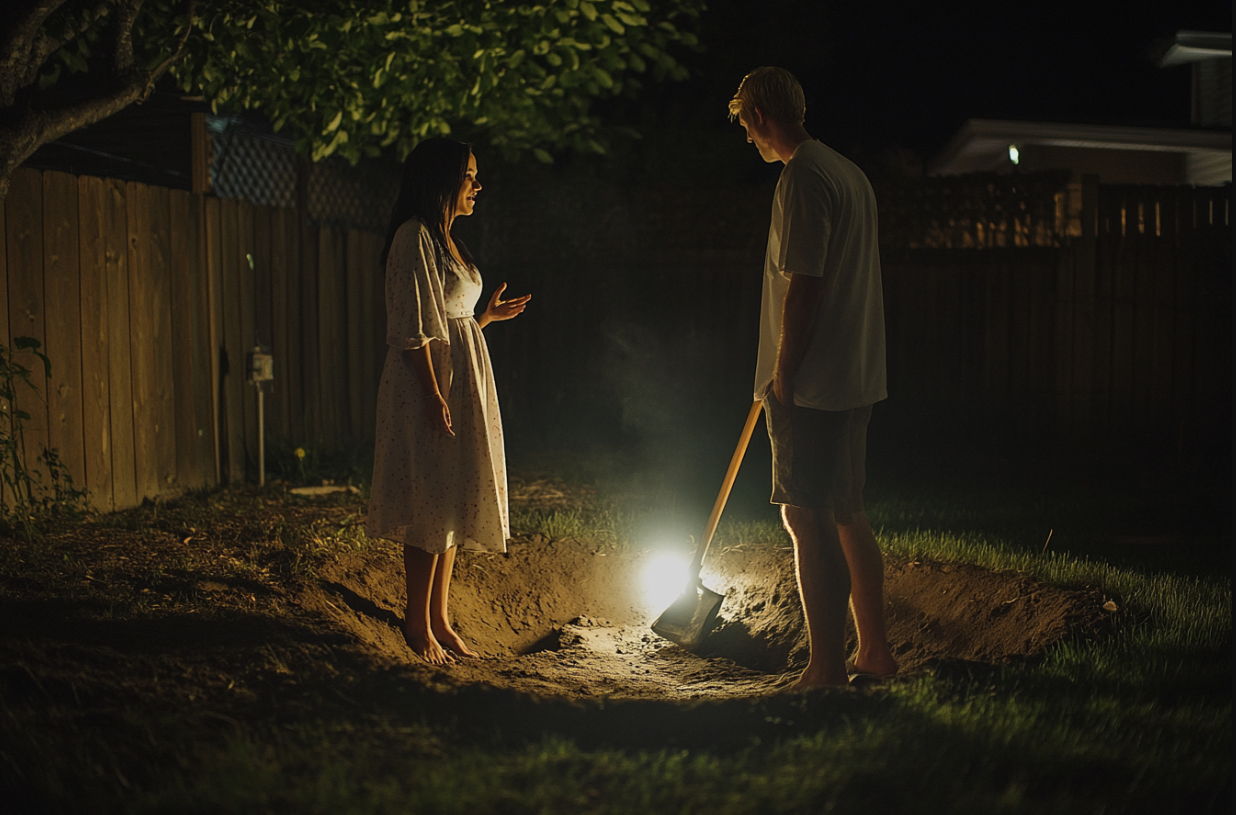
439 471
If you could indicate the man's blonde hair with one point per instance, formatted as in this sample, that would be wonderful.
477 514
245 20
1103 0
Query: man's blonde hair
775 92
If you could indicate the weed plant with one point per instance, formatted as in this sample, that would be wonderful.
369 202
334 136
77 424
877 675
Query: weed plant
30 496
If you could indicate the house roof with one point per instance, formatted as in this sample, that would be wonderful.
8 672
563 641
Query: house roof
983 144
1194 46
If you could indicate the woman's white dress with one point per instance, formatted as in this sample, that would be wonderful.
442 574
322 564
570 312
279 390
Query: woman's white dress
429 489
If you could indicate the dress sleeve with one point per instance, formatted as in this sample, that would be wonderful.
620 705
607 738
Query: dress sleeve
415 303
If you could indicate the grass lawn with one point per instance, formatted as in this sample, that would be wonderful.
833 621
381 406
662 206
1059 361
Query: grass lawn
259 712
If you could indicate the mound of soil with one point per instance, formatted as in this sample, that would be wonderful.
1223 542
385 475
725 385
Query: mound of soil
567 618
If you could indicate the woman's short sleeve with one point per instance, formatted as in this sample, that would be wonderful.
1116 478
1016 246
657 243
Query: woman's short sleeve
415 304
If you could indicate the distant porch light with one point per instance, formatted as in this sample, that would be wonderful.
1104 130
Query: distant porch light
1014 154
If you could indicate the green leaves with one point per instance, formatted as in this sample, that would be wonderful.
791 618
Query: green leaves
521 76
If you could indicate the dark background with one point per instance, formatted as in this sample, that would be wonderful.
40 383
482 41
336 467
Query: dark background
887 84
904 76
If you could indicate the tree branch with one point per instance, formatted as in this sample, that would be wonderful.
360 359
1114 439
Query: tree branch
16 45
121 35
48 45
189 7
30 129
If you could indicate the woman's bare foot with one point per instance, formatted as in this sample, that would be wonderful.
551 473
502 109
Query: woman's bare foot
427 648
453 642
873 665
812 679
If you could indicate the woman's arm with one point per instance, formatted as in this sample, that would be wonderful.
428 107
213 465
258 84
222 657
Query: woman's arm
436 410
499 309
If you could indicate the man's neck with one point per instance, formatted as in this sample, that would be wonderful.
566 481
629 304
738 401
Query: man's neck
786 138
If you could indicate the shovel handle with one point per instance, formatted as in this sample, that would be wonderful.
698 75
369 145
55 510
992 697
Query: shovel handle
697 562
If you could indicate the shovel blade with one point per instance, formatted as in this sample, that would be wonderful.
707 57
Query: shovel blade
689 618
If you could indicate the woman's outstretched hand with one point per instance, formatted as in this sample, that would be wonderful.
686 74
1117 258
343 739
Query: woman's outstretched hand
499 309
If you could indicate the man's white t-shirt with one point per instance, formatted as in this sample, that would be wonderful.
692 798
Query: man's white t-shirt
824 224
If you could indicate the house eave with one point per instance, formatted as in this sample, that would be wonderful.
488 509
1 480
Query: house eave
984 143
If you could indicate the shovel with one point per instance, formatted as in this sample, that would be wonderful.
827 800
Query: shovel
689 619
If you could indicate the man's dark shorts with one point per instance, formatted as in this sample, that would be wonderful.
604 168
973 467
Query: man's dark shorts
819 456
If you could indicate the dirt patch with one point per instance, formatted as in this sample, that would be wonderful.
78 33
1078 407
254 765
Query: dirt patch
569 618
219 596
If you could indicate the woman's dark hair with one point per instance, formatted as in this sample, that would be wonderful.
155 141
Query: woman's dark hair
433 173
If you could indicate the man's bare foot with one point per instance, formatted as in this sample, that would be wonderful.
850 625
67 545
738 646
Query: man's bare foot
427 648
453 642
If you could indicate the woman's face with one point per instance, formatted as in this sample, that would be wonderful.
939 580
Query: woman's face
465 202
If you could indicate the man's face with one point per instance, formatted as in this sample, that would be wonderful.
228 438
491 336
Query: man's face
758 134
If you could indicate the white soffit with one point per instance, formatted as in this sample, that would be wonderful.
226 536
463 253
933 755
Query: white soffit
983 143
1196 46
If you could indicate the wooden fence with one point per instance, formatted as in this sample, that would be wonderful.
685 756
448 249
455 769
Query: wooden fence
146 303
1122 338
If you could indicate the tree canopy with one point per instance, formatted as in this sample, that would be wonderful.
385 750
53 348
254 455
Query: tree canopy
351 77
341 77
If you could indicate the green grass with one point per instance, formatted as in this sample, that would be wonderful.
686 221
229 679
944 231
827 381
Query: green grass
1135 720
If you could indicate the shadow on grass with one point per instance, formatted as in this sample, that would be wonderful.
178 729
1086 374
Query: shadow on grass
78 622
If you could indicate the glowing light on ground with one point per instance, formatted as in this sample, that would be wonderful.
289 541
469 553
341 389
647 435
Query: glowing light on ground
665 577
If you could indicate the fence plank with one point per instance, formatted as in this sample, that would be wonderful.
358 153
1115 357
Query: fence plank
374 334
278 419
1020 389
262 317
949 326
203 473
24 231
1143 259
233 406
1213 334
1062 348
295 294
63 323
215 336
119 347
997 336
1106 267
1163 296
182 280
248 325
1042 332
164 390
96 418
377 342
142 337
1123 270
311 381
355 328
331 316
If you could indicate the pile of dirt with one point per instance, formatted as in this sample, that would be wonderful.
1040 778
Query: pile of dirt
568 618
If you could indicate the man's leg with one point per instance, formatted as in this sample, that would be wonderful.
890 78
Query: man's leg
824 584
866 565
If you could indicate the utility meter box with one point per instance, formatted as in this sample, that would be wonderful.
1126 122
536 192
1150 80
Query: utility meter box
261 365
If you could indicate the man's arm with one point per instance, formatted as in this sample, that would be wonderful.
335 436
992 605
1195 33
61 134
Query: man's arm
802 306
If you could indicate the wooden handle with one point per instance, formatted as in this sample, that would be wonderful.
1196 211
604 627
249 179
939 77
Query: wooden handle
697 562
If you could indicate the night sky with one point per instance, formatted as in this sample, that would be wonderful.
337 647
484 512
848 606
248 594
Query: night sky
904 76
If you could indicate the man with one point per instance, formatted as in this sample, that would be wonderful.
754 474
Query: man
819 371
